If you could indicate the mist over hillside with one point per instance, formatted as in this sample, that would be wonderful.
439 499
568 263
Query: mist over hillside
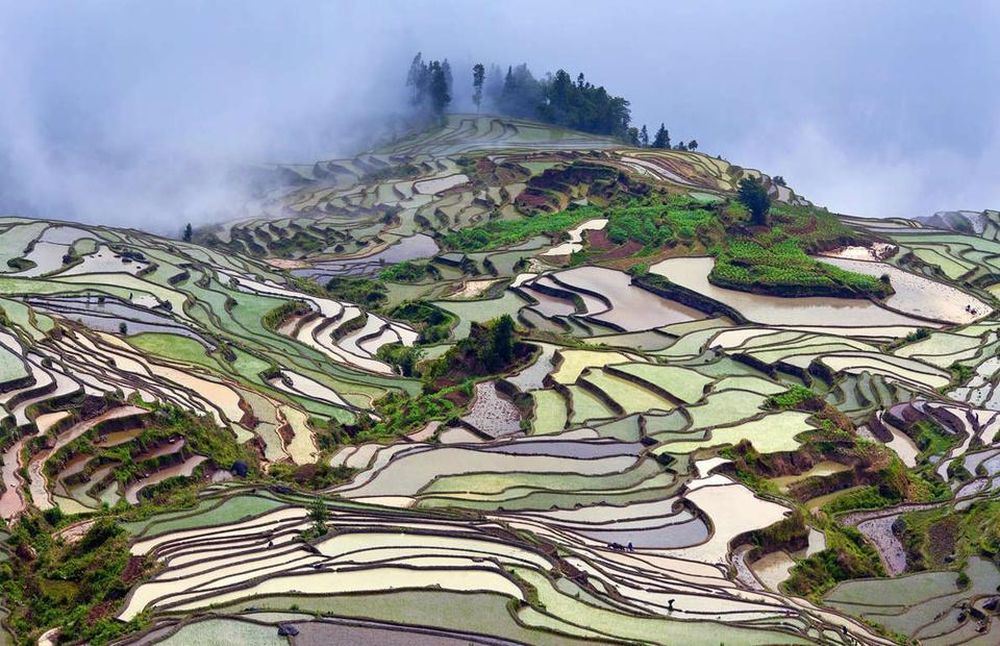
108 119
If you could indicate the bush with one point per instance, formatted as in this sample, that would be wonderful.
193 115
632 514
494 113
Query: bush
363 291
402 413
405 272
433 323
848 556
795 397
274 318
405 358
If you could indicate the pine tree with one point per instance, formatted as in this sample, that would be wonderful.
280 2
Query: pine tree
446 70
644 137
493 86
478 76
417 79
438 88
188 232
509 87
662 138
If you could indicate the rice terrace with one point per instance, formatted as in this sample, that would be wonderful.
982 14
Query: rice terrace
508 377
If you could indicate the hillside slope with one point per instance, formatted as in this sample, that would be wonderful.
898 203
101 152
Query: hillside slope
630 413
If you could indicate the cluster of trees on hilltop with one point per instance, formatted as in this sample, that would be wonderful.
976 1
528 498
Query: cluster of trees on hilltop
430 85
556 99
661 140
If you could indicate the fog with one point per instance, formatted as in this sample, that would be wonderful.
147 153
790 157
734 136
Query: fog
137 113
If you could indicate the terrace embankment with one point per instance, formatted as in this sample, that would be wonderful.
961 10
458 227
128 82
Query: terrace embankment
662 286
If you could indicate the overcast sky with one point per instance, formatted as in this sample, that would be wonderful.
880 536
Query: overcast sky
126 112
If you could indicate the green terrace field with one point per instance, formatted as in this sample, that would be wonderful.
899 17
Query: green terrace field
785 269
499 382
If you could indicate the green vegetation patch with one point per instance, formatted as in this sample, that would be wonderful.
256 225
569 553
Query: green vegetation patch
931 439
795 397
208 513
433 323
363 291
406 272
847 556
173 346
502 233
785 269
401 414
48 583
658 222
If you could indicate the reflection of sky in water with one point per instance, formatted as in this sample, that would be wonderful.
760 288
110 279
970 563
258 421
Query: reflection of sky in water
680 534
775 310
411 248
918 295
632 308
107 316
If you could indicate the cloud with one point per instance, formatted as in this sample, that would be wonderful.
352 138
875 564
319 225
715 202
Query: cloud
138 114
874 179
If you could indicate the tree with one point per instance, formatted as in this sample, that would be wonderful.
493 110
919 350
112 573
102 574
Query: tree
753 195
680 146
188 232
779 180
498 350
503 339
438 88
522 95
662 138
693 144
417 80
493 86
478 76
446 70
557 99
319 513
582 106
644 137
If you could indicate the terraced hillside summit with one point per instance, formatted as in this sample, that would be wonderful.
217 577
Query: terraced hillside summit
503 383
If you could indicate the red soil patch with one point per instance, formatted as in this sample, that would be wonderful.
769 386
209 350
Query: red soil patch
133 569
98 612
626 250
941 539
599 239
527 200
